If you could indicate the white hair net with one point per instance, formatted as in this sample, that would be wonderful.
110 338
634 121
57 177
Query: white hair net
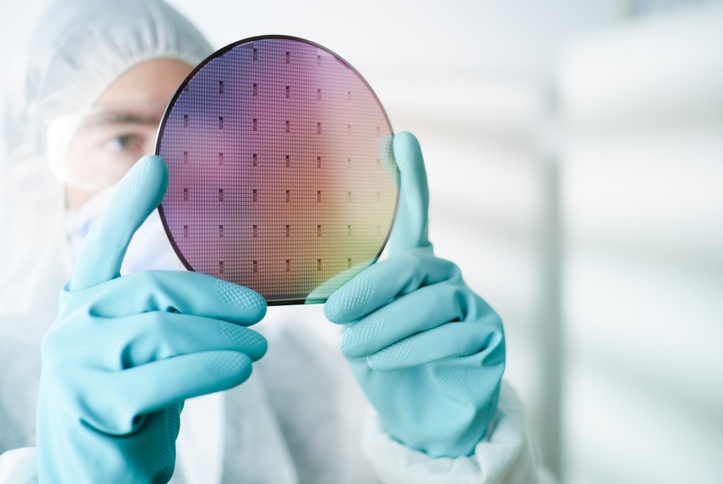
82 46
77 50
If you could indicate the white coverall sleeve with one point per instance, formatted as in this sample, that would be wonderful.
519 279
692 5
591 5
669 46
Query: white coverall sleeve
505 456
19 466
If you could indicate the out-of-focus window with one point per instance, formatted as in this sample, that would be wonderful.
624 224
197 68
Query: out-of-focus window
642 197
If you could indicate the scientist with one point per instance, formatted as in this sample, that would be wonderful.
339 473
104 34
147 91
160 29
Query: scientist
92 382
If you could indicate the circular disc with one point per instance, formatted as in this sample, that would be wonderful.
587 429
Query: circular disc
281 176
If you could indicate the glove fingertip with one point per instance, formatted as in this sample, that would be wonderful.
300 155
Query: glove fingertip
151 173
405 141
245 340
407 151
333 310
251 302
391 356
258 349
340 305
157 173
233 367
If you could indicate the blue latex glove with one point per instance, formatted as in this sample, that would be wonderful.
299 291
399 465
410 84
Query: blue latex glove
125 352
427 351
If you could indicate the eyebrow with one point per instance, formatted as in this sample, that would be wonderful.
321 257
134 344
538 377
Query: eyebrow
124 118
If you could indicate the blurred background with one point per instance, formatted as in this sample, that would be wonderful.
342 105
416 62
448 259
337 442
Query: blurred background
575 158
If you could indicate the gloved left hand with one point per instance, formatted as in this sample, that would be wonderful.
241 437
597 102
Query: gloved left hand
125 352
428 352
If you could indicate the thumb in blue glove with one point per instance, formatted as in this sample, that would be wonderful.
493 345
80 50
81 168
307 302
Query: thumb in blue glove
427 351
125 352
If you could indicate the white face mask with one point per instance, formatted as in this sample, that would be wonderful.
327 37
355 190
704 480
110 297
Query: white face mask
149 248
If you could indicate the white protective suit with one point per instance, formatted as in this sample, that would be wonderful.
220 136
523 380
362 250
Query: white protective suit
300 417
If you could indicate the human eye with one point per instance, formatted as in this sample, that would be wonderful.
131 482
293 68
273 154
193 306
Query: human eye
126 142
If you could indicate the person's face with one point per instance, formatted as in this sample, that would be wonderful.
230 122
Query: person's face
120 128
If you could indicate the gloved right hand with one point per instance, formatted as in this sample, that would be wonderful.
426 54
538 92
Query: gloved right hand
125 352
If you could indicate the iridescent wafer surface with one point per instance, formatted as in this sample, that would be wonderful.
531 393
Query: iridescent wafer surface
281 176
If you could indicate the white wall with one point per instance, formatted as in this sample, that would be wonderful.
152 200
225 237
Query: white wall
642 192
